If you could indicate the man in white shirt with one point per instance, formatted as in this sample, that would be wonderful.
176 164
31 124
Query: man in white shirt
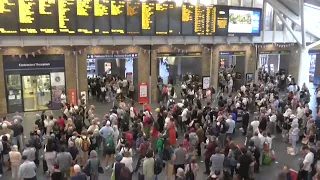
300 112
232 125
184 115
307 162
255 124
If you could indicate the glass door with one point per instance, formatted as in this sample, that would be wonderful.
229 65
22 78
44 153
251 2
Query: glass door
36 92
14 95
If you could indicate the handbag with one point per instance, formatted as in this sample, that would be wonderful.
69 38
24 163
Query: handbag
87 169
100 169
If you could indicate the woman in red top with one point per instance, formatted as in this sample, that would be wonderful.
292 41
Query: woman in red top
61 123
154 133
172 133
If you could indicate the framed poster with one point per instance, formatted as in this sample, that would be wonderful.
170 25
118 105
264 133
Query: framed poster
143 93
206 82
107 68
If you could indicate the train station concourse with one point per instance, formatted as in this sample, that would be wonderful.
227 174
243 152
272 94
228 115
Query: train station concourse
53 52
49 48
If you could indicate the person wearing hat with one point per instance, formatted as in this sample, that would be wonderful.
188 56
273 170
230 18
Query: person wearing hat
27 170
117 167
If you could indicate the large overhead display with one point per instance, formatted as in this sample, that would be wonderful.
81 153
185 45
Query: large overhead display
119 17
244 21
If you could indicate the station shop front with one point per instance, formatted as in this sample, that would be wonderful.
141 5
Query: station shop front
27 89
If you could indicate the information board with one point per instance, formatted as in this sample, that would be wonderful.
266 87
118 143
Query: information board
118 17
48 15
187 19
67 11
102 17
148 18
199 20
133 18
210 20
121 18
175 13
222 20
85 17
162 19
9 17
28 11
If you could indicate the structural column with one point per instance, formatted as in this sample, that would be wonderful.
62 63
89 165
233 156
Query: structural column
304 67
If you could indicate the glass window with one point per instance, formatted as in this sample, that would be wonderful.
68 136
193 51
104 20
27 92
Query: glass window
206 2
269 17
258 3
57 88
247 3
222 2
312 23
279 24
235 2
14 93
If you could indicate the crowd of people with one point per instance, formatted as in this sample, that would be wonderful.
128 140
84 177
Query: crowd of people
170 139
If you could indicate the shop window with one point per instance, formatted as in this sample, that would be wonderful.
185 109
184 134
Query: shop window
247 3
57 88
13 84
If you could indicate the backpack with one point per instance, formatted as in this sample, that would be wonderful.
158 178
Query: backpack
129 138
109 143
225 126
157 166
85 144
37 143
193 139
190 174
160 144
125 173
125 123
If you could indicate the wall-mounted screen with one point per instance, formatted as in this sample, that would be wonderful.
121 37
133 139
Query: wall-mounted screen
244 21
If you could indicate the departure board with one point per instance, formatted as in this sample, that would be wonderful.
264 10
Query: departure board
199 20
175 13
148 18
187 19
162 18
85 17
133 18
102 17
210 20
8 17
28 11
67 16
222 20
118 17
48 15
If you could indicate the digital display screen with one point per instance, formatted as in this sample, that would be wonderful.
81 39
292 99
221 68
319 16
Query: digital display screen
118 17
222 20
244 21
28 10
102 17
175 13
133 18
162 19
48 15
85 17
67 16
9 17
210 20
187 18
148 18
199 20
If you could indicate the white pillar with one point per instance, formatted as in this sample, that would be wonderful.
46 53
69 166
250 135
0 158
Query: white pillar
304 67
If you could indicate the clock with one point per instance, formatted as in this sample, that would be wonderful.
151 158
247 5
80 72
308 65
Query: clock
57 79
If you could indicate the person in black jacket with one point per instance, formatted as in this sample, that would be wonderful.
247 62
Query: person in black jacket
245 122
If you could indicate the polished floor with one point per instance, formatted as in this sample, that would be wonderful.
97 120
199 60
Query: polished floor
267 172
